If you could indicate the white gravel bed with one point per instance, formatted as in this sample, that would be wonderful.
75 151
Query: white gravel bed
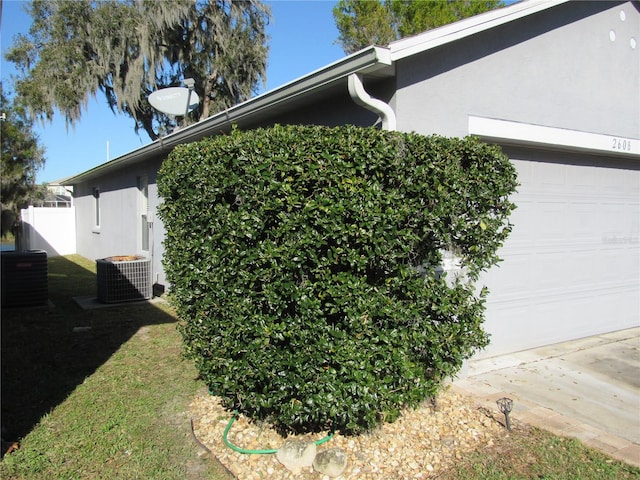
420 444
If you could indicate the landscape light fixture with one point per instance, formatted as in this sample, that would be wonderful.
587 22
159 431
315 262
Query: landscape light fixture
505 405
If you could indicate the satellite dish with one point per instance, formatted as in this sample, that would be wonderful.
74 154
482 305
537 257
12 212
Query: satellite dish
174 100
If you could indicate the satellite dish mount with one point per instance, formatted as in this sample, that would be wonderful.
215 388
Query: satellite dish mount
176 101
190 83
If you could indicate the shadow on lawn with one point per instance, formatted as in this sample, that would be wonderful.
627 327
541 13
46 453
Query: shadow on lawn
45 356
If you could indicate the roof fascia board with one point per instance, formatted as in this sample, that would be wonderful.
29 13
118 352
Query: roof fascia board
139 154
367 60
525 134
372 60
455 31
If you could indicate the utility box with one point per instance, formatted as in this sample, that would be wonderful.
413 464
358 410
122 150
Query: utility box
25 281
124 279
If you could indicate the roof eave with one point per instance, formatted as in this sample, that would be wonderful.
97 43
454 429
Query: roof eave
375 61
409 46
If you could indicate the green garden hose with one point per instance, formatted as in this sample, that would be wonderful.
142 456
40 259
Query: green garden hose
266 451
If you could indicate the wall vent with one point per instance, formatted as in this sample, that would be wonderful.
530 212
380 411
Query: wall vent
123 279
24 278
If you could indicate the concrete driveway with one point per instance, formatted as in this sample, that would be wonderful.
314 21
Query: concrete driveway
587 388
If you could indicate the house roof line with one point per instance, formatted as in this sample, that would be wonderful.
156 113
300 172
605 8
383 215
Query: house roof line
373 60
419 43
369 60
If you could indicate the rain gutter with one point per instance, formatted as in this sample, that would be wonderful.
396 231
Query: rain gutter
373 60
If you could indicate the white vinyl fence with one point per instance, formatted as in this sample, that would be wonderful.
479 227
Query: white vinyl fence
49 229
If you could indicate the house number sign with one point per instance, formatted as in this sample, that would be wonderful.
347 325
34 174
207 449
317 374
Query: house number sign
622 144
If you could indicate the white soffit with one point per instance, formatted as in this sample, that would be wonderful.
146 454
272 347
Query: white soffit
515 133
439 36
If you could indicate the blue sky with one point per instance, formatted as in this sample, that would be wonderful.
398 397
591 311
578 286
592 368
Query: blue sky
303 36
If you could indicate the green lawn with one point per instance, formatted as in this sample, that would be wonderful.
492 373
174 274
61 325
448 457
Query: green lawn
532 453
112 402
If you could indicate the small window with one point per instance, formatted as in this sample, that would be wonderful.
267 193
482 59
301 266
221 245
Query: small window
143 187
96 207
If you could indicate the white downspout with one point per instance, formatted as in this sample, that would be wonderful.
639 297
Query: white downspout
362 98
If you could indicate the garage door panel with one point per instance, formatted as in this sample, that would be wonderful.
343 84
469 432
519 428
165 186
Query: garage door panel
580 268
584 180
631 185
536 223
609 181
524 231
548 176
552 318
582 220
572 263
615 218
617 265
515 326
547 272
552 220
513 276
503 320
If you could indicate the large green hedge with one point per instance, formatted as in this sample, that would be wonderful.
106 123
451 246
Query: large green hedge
301 261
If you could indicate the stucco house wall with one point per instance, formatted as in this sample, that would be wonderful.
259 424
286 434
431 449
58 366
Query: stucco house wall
120 207
111 232
557 67
335 109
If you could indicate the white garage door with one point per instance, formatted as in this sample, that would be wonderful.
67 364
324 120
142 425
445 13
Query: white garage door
571 265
